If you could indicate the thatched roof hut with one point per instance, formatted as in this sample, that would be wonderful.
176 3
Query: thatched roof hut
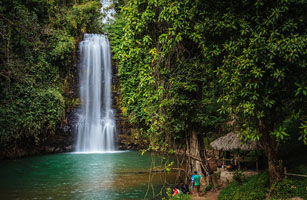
232 141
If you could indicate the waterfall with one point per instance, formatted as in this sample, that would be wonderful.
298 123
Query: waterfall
96 124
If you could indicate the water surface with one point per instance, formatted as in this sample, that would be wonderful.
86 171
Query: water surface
122 175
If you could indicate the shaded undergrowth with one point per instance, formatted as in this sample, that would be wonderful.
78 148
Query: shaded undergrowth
257 187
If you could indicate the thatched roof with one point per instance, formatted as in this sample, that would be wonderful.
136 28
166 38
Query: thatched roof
232 141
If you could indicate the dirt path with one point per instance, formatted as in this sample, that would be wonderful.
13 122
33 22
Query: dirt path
211 195
207 196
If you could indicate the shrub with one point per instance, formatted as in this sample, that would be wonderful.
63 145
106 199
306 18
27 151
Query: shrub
299 184
251 188
238 176
283 189
180 196
208 188
257 187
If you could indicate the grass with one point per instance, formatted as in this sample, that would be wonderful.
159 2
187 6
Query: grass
293 154
299 184
257 187
252 188
182 196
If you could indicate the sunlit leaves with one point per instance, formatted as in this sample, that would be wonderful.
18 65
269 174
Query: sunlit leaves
301 89
303 136
279 133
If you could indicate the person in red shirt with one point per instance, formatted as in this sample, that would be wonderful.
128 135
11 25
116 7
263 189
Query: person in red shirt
176 191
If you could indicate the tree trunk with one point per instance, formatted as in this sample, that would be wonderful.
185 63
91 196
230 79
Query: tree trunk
212 179
270 150
271 154
193 151
198 159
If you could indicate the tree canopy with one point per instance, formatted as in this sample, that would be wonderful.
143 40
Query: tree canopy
189 65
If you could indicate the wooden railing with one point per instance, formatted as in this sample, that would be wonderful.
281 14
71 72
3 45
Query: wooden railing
239 162
291 174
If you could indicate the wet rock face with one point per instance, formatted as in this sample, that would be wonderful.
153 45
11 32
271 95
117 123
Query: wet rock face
60 142
123 128
131 146
126 142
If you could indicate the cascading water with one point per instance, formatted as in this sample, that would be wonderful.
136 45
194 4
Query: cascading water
96 125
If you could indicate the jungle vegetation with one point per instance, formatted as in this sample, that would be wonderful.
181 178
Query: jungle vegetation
37 56
187 67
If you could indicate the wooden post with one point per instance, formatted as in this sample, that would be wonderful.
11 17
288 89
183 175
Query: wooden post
256 152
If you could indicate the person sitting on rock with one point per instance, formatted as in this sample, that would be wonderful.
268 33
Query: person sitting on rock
185 188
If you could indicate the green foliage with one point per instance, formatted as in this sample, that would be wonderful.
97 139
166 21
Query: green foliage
238 176
39 108
264 59
304 132
187 65
208 187
257 187
179 196
84 18
252 188
282 190
298 184
65 45
168 193
37 56
166 86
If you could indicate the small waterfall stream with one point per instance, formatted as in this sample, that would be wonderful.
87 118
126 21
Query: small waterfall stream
96 124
